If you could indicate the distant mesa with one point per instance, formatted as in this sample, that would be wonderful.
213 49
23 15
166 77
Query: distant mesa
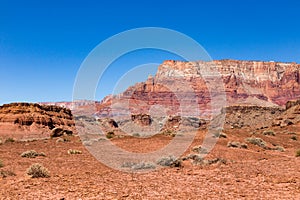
254 90
245 82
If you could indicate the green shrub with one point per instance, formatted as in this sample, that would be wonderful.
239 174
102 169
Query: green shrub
74 151
38 171
257 141
298 153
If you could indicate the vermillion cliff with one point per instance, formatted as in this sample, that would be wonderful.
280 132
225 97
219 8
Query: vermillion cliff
244 82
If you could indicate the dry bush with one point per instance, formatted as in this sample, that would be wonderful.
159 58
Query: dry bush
257 141
6 173
74 151
219 135
31 154
1 163
110 135
139 166
294 137
279 148
170 161
9 140
269 132
235 144
38 171
298 153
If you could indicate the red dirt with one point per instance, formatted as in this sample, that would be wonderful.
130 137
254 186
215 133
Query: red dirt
252 173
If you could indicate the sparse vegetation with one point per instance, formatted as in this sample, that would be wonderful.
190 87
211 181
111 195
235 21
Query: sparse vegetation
74 151
269 132
6 173
257 141
170 161
31 154
219 135
9 140
279 148
294 137
298 153
136 135
38 171
139 166
197 159
1 163
110 135
200 149
235 144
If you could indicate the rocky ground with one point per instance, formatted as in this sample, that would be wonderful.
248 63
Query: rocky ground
245 173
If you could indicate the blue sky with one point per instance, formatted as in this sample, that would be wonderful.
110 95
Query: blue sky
43 43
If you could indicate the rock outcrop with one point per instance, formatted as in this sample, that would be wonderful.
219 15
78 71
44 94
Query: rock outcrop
189 86
33 120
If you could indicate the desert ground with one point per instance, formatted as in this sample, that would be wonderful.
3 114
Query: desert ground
244 173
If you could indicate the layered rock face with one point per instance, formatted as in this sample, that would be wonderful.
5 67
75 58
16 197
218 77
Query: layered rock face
193 88
28 119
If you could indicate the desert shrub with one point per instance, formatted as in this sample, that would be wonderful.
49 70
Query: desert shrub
269 132
1 163
144 165
219 135
279 148
214 161
200 149
291 133
29 154
136 135
74 151
110 135
139 166
196 158
257 141
170 161
237 145
38 171
294 137
10 140
6 173
298 153
32 154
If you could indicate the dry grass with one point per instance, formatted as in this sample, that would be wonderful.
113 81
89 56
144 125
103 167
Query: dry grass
38 171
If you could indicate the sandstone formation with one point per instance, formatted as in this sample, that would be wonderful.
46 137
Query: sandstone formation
33 120
188 87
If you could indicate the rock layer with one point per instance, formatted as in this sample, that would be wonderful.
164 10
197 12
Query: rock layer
28 119
189 87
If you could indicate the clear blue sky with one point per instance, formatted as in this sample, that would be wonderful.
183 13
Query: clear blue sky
43 43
